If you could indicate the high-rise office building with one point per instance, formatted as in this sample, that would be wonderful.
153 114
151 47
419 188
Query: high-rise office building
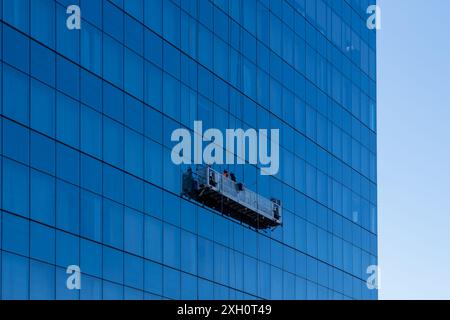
88 178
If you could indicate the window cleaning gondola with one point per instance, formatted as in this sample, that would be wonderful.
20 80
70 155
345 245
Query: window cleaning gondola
223 193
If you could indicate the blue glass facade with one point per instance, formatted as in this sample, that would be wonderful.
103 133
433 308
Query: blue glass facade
86 171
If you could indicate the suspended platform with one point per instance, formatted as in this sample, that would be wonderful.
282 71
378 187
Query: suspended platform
231 198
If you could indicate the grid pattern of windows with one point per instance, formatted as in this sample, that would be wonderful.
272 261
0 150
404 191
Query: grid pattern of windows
86 171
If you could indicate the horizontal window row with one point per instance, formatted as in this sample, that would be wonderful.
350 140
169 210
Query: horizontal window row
24 278
124 229
167 20
53 112
148 160
145 81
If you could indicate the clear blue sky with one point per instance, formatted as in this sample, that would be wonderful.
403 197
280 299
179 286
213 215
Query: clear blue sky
414 149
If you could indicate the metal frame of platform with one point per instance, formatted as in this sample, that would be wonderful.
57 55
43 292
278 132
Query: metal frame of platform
231 198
